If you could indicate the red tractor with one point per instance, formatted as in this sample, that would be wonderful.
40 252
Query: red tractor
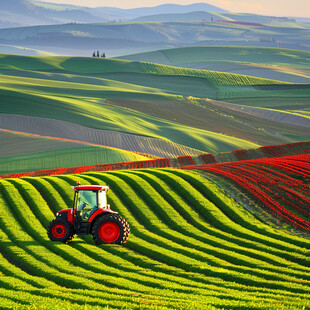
90 214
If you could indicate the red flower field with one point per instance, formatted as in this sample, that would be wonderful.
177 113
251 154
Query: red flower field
281 184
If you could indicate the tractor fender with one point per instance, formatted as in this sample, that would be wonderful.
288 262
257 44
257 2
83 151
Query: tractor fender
66 214
100 212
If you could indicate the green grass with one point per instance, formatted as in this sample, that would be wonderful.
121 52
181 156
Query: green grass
100 116
277 63
78 96
68 157
20 50
190 246
279 103
208 115
76 89
13 143
120 78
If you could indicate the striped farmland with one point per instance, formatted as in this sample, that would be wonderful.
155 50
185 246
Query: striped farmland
180 161
279 184
191 247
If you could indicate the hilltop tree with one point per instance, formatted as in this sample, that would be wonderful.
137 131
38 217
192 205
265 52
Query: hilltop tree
97 54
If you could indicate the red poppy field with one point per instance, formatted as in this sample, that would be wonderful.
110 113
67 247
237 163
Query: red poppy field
281 184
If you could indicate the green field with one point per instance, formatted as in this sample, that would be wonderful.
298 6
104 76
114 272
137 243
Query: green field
276 63
216 117
191 247
108 78
231 54
76 92
97 94
22 152
18 50
62 158
198 240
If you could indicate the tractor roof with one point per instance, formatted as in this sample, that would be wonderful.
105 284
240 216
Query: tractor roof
90 188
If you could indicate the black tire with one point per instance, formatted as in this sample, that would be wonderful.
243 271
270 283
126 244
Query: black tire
60 230
110 228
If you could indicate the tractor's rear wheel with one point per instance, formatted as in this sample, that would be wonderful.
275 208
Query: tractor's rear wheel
111 228
60 230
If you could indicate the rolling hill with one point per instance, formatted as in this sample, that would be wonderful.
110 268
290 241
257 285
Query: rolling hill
223 224
17 50
30 13
144 107
228 230
191 246
211 15
123 38
273 63
18 13
22 152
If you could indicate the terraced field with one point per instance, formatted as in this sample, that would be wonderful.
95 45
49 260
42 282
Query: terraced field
190 247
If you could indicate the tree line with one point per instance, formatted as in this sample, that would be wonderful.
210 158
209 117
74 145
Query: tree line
97 54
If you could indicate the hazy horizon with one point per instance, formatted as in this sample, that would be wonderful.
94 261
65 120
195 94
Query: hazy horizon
297 8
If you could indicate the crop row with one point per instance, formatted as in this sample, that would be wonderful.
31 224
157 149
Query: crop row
247 154
218 78
191 246
155 163
279 184
230 85
236 90
236 155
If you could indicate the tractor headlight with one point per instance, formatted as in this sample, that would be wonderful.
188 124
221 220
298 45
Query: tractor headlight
57 214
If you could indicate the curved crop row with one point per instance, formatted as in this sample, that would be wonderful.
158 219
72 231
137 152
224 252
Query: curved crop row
236 155
187 248
279 183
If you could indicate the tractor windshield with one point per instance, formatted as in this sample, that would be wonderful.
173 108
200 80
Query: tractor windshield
86 199
86 204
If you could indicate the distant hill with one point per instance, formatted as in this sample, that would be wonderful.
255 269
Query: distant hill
18 13
17 50
25 7
117 39
204 15
174 17
22 13
175 9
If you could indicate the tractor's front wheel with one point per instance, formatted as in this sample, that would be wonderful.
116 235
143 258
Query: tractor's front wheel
60 230
111 228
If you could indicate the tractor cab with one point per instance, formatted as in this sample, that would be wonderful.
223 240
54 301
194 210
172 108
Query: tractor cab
88 199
